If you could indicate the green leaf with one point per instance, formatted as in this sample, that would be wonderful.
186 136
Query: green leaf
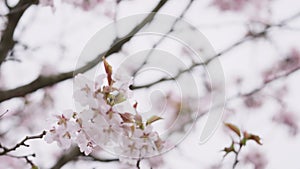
127 117
34 167
108 70
139 121
253 137
233 128
229 149
153 119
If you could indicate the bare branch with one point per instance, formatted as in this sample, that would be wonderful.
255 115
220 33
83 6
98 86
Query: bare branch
73 155
164 79
67 157
15 13
26 157
138 164
95 158
44 81
22 143
1 115
265 84
249 36
163 37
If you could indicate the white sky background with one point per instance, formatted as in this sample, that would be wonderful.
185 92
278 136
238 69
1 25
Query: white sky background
58 37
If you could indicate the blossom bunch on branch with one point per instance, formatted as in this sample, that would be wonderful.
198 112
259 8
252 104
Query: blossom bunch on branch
101 124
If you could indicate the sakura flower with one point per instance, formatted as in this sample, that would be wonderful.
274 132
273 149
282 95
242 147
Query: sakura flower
142 142
253 102
85 145
84 90
64 131
102 124
123 84
60 135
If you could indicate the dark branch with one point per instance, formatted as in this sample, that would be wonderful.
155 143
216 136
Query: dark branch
7 42
95 158
73 154
164 79
163 37
22 143
138 164
44 81
26 157
67 157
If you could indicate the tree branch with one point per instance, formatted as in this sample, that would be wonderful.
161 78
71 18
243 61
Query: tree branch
246 38
73 155
163 37
22 143
7 42
265 84
44 81
67 157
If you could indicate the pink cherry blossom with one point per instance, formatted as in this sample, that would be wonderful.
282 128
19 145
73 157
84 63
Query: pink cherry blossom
257 159
287 119
101 124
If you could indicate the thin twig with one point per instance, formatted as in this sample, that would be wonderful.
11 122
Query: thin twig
22 143
154 46
246 38
7 42
236 158
26 157
138 164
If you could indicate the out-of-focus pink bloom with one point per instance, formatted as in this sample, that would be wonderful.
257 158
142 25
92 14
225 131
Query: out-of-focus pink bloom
252 102
288 119
290 63
12 163
48 70
238 5
182 111
257 159
84 4
155 162
230 5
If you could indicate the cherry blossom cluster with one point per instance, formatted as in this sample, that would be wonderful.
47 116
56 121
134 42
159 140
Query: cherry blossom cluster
102 125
